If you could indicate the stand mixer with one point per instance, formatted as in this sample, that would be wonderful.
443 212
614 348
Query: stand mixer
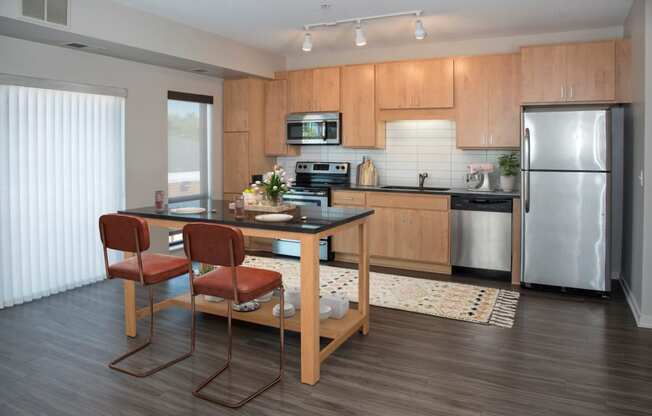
477 179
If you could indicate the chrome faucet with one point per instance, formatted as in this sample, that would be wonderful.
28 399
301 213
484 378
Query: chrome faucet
422 178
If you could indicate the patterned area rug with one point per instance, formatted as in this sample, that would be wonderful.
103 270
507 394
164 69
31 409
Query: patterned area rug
463 302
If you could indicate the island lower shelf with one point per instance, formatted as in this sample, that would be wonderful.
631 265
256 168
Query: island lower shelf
329 328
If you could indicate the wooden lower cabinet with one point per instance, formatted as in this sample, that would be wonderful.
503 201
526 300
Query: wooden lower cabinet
406 231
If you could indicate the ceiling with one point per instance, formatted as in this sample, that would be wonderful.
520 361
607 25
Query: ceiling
276 25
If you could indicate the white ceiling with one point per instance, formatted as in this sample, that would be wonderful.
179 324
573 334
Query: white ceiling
276 25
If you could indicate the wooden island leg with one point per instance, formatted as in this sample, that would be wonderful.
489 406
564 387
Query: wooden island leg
130 305
363 274
310 309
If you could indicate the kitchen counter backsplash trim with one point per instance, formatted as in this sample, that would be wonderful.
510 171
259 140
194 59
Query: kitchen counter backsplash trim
411 147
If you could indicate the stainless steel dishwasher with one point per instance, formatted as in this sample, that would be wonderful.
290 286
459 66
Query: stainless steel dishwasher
482 232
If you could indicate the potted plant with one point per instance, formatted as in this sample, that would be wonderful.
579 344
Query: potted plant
509 168
273 185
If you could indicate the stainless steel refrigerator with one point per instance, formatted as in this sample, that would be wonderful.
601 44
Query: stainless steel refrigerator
566 187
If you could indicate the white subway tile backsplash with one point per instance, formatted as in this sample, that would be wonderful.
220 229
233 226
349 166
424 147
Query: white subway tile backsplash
412 146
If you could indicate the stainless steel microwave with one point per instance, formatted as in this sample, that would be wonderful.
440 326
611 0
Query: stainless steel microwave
314 128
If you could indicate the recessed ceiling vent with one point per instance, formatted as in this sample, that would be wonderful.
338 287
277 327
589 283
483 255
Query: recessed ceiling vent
76 45
49 11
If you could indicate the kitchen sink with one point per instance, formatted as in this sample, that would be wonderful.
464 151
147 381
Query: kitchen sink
414 188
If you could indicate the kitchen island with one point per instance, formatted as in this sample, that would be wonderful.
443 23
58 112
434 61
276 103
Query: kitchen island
309 225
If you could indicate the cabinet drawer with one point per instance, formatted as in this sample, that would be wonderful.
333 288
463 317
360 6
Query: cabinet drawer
416 202
348 198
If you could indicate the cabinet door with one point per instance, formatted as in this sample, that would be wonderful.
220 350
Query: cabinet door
236 162
300 91
432 84
434 237
326 89
471 101
415 84
381 232
591 72
276 100
236 108
543 74
504 108
358 110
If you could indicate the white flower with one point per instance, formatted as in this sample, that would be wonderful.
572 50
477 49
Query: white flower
275 188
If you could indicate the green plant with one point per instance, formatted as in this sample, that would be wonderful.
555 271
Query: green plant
509 164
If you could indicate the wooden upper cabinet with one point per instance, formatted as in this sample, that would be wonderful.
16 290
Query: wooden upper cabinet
236 104
276 109
504 106
487 101
236 162
543 73
415 84
326 89
300 94
578 72
471 102
624 71
314 90
358 110
591 72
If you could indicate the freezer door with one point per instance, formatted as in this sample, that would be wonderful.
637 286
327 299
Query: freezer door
565 230
566 140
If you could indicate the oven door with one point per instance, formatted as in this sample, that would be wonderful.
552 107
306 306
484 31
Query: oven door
292 248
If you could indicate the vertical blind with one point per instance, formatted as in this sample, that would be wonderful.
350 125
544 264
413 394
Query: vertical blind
61 167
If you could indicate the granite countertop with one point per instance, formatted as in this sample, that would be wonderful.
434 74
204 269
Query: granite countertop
452 191
317 219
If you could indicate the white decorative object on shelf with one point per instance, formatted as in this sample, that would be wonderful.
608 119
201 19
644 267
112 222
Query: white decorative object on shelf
265 298
289 310
293 296
246 307
339 305
324 311
213 298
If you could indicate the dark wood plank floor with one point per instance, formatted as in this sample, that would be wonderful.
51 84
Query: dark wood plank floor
566 355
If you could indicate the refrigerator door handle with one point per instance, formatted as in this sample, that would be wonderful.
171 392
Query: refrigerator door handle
526 180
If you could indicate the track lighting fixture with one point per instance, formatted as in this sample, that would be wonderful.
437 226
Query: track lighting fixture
307 42
360 39
419 32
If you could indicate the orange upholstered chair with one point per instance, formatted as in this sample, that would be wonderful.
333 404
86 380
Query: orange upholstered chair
131 234
223 247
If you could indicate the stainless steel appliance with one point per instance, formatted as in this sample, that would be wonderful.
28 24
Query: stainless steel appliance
566 187
482 232
314 128
312 187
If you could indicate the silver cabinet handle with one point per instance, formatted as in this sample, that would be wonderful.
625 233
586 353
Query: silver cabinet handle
491 139
563 92
571 92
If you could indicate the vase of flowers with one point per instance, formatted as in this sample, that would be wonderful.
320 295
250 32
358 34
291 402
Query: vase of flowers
273 186
509 168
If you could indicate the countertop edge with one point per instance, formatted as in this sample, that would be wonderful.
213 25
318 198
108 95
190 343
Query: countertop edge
453 191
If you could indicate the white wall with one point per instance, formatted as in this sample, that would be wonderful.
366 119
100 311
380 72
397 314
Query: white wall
146 107
417 49
113 22
637 196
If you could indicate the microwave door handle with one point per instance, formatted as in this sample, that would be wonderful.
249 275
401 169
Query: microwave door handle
323 130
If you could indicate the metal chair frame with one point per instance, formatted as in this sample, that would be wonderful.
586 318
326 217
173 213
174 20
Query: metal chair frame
113 364
197 390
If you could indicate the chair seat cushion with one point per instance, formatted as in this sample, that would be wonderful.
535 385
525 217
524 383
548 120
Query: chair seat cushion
156 268
252 283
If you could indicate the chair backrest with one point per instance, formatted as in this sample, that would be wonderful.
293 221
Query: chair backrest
118 232
211 244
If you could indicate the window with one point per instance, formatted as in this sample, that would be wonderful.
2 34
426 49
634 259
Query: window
61 167
189 130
